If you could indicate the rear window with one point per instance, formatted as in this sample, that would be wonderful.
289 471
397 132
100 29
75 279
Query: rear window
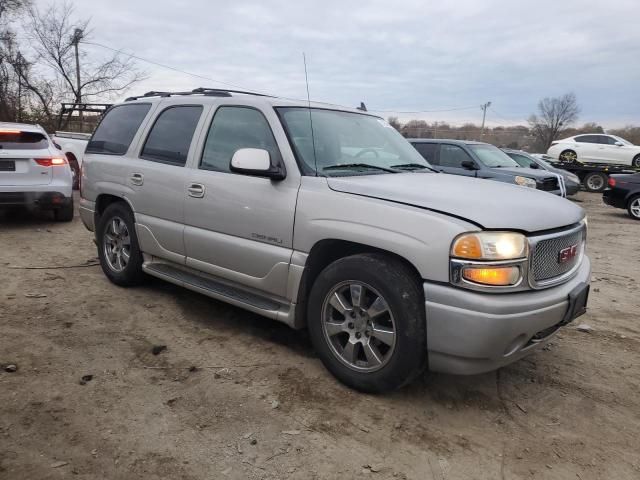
23 141
117 129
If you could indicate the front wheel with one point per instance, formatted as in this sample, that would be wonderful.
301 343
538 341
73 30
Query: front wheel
118 250
367 322
634 207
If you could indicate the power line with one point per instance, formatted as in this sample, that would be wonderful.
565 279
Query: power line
131 55
426 111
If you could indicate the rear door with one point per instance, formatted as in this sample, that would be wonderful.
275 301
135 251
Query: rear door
22 158
587 148
157 179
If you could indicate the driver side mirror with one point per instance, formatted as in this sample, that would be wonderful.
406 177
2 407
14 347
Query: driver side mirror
533 165
255 162
469 165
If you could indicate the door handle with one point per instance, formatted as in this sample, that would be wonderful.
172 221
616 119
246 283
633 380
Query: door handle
196 190
137 178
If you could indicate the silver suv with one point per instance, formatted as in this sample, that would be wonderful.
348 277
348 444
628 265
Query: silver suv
326 218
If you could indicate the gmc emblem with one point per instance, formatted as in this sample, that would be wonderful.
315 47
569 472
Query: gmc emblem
568 253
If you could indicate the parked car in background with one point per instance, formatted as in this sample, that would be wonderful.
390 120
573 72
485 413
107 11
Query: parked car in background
326 218
33 173
72 146
624 192
482 160
526 160
596 148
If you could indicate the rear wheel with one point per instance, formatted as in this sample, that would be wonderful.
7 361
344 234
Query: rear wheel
595 182
65 212
75 170
636 161
634 207
120 256
367 322
568 156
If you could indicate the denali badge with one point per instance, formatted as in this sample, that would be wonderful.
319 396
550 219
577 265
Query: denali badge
568 253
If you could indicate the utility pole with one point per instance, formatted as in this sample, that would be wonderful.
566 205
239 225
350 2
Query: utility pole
75 40
435 131
19 63
484 107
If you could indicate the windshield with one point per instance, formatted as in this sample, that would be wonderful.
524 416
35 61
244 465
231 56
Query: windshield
622 140
493 157
345 143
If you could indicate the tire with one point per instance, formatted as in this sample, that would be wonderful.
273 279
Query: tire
595 182
386 364
568 156
633 207
123 265
636 161
65 212
75 170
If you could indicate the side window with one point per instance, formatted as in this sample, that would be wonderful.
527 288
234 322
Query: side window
427 150
522 160
234 128
171 135
588 139
607 140
118 127
453 156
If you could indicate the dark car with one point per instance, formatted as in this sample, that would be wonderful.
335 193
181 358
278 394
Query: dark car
571 181
482 160
624 192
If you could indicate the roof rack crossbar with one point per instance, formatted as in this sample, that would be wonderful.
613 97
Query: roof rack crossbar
213 92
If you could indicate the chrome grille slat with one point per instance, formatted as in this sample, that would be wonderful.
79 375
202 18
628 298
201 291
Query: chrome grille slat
545 269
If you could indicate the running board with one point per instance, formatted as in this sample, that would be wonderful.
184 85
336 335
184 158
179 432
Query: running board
207 285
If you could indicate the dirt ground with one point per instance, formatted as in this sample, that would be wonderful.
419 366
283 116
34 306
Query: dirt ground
259 404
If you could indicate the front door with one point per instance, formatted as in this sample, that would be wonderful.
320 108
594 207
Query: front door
240 227
451 158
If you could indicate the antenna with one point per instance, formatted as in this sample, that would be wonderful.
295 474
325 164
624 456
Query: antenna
313 140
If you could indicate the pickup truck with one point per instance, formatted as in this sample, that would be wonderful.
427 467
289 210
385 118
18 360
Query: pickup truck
72 145
326 218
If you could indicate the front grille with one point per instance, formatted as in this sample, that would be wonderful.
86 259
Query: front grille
546 261
548 184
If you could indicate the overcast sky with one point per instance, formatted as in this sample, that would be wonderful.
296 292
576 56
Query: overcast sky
393 55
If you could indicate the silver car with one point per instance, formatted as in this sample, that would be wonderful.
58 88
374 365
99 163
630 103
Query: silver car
33 173
326 218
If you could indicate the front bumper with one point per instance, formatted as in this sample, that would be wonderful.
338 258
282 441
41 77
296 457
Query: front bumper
470 332
87 213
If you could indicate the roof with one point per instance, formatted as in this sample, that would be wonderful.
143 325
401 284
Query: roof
211 95
25 127
446 140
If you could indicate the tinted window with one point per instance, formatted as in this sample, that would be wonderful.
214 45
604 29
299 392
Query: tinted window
234 128
607 140
23 141
453 156
588 139
427 150
171 134
116 130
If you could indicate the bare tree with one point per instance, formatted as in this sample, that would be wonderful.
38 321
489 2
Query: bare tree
554 115
395 123
10 94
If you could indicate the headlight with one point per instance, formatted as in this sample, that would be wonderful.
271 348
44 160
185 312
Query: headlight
525 182
490 246
573 178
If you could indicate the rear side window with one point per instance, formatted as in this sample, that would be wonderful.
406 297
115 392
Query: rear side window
171 135
428 151
453 156
11 140
588 139
116 130
234 128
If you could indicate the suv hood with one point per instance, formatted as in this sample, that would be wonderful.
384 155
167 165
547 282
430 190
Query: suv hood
489 204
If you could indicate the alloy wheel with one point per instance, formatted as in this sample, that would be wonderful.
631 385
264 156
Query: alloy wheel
568 156
358 326
634 208
117 244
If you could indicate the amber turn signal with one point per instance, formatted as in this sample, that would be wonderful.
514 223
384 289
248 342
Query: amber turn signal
495 276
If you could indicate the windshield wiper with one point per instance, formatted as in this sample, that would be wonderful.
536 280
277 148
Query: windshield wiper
413 166
358 165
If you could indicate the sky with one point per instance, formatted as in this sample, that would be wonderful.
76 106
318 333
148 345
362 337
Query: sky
396 56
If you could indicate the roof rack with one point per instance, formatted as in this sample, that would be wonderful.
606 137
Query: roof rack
212 92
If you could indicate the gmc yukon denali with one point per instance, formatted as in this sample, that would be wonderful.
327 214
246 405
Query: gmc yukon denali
325 218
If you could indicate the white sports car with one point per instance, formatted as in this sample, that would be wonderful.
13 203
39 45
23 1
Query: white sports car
596 148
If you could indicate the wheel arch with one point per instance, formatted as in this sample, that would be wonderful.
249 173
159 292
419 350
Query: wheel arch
326 251
104 200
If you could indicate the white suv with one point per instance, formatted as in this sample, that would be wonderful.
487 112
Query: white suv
596 148
33 173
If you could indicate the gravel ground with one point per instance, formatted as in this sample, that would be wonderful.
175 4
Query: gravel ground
259 404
